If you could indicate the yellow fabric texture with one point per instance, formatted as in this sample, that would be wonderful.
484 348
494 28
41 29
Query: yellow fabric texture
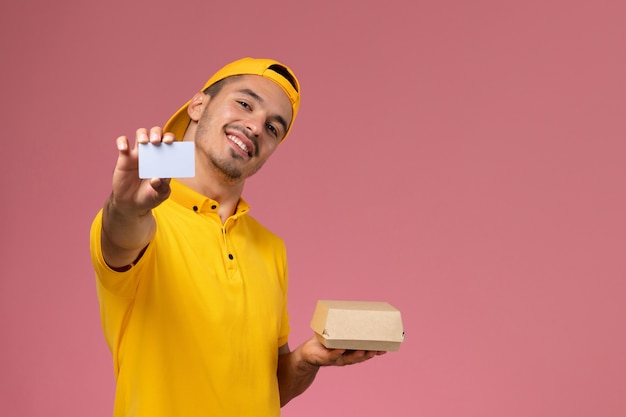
192 331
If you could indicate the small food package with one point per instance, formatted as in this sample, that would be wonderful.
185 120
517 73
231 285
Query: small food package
358 325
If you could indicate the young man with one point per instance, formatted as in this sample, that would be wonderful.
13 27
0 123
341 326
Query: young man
193 291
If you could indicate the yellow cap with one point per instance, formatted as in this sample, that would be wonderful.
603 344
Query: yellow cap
267 68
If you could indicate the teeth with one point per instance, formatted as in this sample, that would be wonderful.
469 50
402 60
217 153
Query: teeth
239 143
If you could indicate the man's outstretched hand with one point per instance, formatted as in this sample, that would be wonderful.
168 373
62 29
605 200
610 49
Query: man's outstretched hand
315 353
130 193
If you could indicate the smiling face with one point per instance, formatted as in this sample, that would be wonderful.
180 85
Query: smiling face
240 127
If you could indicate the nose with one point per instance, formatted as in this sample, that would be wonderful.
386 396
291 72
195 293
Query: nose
254 124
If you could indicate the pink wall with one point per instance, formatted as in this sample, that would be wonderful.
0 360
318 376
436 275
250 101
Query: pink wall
463 161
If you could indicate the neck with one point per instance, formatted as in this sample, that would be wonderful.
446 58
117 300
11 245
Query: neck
213 183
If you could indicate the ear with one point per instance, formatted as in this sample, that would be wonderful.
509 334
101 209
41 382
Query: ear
197 104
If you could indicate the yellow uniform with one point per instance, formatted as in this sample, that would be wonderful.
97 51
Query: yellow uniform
194 327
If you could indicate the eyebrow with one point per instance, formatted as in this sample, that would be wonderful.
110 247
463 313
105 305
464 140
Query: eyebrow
260 99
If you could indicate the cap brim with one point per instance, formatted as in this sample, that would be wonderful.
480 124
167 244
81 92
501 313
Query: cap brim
178 123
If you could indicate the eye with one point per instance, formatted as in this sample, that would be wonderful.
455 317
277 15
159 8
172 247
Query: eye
272 129
244 105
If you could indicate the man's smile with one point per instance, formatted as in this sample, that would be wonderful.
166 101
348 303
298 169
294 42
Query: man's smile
242 142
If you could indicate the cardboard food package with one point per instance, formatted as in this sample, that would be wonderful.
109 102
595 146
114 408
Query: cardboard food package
358 325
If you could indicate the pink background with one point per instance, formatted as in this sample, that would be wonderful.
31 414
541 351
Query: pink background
462 160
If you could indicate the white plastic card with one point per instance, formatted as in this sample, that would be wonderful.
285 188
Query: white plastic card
174 160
